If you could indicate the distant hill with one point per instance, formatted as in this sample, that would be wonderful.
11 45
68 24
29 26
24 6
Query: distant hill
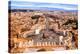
41 9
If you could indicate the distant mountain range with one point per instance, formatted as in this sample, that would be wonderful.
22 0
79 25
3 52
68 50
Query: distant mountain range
44 9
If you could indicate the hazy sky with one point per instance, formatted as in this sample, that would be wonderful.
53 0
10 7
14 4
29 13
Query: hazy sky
53 1
27 4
